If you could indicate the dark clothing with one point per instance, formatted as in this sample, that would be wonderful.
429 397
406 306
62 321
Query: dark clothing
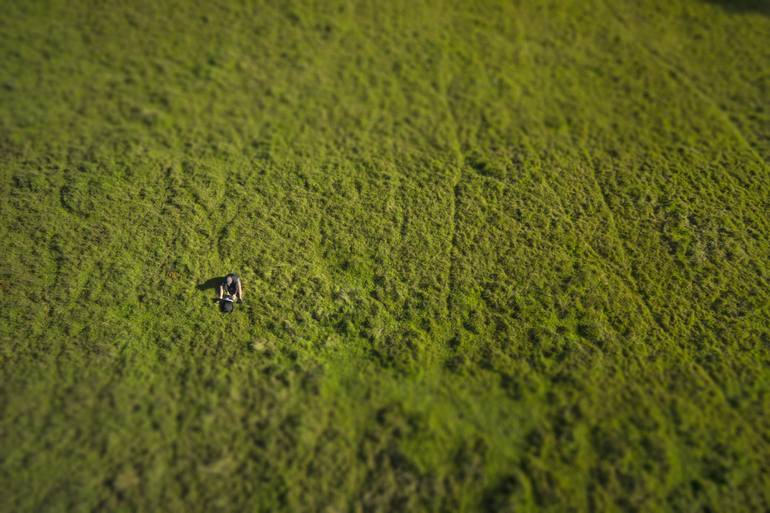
233 287
227 304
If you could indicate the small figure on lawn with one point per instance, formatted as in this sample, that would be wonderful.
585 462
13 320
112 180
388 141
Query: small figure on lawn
231 286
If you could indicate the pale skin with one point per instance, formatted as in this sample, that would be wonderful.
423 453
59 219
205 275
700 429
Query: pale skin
238 291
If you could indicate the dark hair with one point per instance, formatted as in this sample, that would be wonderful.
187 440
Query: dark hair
226 306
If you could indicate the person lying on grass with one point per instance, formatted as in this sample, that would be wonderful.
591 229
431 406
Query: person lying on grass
232 286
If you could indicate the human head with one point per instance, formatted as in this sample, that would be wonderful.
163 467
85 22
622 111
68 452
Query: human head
229 279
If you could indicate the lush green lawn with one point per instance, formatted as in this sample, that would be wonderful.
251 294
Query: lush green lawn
497 256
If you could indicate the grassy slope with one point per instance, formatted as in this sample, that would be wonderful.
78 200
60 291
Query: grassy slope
496 257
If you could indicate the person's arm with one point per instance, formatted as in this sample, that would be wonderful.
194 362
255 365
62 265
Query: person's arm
221 290
240 291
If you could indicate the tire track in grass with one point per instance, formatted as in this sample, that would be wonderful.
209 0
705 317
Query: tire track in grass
222 232
696 367
630 283
681 77
453 222
684 80
627 273
70 200
457 177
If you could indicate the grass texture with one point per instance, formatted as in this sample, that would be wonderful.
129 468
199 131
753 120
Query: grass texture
497 256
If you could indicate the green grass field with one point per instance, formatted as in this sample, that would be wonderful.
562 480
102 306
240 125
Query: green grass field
497 256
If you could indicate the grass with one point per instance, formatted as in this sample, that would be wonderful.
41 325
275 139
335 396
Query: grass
497 256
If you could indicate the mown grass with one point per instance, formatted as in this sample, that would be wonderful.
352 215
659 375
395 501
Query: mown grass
497 256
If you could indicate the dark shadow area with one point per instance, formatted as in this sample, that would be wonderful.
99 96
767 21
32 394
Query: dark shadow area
211 283
738 6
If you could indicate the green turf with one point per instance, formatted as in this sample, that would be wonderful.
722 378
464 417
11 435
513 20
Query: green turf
497 256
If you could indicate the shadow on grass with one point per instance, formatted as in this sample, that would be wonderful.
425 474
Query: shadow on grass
739 6
211 283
